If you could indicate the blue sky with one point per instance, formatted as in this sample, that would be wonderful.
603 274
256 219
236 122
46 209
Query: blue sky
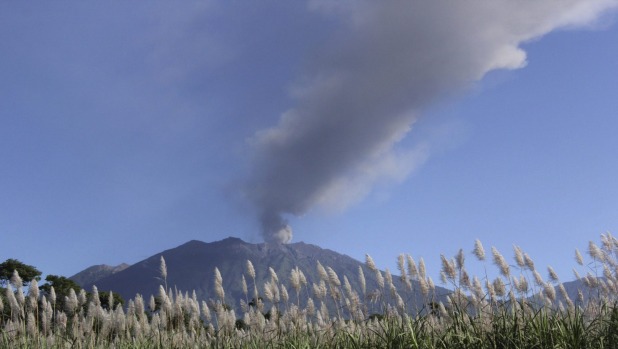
129 128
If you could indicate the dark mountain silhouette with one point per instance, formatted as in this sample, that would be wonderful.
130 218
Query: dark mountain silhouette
95 273
574 287
191 267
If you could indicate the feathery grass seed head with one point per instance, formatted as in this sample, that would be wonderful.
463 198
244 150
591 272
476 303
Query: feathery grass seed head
538 279
401 266
448 268
499 287
52 295
464 279
250 269
295 279
379 278
578 257
522 285
82 297
219 285
13 304
370 263
332 277
460 259
553 277
163 268
529 262
500 262
412 271
421 268
519 256
245 290
303 279
388 277
430 284
273 275
321 271
550 292
424 287
361 279
284 294
16 280
95 296
595 252
479 251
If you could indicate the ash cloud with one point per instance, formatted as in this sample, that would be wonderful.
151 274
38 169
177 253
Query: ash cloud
387 61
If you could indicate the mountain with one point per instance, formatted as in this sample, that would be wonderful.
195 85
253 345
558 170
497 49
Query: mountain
573 288
191 267
94 273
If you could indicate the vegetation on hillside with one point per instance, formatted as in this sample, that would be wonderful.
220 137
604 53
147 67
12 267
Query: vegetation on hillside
518 309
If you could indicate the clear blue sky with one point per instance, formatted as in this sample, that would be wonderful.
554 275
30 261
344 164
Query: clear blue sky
128 128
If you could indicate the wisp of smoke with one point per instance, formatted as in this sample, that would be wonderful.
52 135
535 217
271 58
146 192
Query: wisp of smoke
388 61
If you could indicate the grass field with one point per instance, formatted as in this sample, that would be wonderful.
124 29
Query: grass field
518 309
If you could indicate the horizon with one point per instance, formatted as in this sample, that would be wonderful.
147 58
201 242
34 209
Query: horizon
487 273
363 128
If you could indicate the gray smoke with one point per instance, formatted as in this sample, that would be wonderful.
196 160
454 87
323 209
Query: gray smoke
387 61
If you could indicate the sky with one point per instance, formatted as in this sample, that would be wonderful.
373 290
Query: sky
128 128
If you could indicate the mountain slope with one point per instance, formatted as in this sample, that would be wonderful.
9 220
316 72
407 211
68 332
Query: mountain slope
191 267
94 273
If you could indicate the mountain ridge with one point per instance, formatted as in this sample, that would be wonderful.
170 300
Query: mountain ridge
191 267
97 272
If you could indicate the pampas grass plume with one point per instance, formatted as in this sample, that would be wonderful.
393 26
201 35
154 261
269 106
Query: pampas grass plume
250 269
370 263
578 257
361 279
595 252
519 256
219 285
412 271
273 275
500 262
333 278
421 268
163 268
479 251
529 262
460 259
321 271
552 274
448 268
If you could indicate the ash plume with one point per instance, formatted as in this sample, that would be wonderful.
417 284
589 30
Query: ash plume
387 61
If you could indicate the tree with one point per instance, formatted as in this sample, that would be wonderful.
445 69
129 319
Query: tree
62 288
104 299
26 272
61 285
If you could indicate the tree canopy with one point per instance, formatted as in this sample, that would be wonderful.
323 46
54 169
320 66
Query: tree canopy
61 285
26 272
105 301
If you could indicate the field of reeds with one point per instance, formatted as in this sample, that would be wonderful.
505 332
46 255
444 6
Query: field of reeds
517 309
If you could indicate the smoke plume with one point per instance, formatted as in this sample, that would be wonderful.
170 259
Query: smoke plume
386 62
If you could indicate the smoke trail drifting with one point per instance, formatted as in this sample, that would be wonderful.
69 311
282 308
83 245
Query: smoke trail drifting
388 61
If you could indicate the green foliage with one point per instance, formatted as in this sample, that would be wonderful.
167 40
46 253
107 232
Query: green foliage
241 325
609 328
62 288
105 300
26 272
61 285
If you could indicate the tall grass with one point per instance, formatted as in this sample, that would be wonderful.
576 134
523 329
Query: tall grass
518 309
